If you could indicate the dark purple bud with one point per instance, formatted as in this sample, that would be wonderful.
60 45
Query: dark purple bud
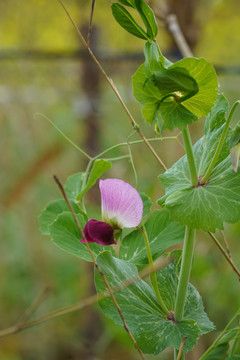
99 232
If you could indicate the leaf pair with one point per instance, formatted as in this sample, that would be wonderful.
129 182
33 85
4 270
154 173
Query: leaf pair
125 19
174 95
205 206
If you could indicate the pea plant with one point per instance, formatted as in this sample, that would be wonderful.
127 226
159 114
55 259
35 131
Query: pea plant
141 284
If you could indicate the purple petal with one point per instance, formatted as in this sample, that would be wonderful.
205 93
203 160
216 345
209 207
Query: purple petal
99 232
122 205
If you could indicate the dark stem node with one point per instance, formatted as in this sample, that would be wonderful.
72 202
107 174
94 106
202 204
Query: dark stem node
172 317
199 182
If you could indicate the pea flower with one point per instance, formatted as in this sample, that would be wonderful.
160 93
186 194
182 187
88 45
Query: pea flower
122 207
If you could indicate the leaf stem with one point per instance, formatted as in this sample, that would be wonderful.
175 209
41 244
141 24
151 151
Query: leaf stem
186 265
220 144
134 143
220 336
153 274
190 156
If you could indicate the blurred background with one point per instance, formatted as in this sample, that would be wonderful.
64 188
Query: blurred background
44 69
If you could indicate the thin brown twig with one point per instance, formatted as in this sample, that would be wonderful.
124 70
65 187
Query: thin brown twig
111 83
97 267
158 264
181 347
90 22
235 269
226 243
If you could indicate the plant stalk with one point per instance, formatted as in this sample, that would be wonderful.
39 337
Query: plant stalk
189 239
190 156
184 273
153 275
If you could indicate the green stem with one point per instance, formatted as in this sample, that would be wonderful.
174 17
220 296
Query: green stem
220 336
135 142
220 144
190 156
184 276
153 273
189 238
186 265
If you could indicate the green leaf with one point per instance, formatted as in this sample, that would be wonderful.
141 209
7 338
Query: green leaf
162 233
151 330
147 203
233 357
99 167
52 210
73 185
235 136
178 95
204 74
148 18
167 281
216 117
153 58
218 353
176 79
66 235
220 350
204 207
125 19
130 3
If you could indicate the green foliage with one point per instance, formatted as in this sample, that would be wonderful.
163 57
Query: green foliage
147 203
153 58
162 232
51 212
176 95
148 18
66 235
99 168
205 206
74 184
222 346
235 136
139 307
218 353
125 19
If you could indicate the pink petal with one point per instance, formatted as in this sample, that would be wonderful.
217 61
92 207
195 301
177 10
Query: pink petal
99 232
122 205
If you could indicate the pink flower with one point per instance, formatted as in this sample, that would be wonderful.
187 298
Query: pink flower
122 207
